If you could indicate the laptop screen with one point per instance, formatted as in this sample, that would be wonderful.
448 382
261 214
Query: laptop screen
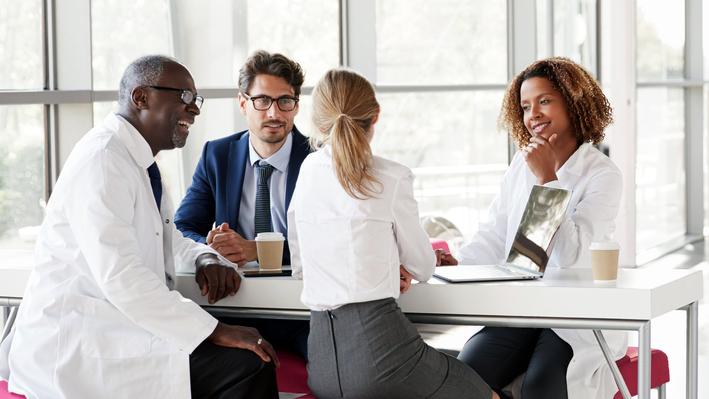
542 216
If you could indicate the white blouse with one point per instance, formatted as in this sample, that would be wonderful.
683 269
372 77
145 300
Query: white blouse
595 185
348 250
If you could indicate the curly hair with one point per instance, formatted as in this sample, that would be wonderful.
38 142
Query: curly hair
589 110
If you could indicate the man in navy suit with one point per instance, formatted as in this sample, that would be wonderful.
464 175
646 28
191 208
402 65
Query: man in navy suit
222 204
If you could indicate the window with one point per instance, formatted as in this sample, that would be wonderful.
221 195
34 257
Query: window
21 176
123 31
458 157
450 68
21 45
660 174
22 147
455 42
568 29
660 40
304 30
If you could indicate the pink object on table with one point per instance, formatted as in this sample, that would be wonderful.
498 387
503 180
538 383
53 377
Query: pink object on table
5 394
439 244
628 366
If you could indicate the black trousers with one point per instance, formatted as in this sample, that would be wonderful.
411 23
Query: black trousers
500 354
282 334
217 372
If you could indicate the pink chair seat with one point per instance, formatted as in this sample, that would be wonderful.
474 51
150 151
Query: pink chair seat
292 376
628 366
5 394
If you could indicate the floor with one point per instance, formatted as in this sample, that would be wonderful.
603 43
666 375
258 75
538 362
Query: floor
668 331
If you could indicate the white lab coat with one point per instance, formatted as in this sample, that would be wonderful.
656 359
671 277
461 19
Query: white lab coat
98 318
349 250
595 184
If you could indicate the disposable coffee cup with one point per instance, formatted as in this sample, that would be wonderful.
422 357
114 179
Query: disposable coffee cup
269 247
604 260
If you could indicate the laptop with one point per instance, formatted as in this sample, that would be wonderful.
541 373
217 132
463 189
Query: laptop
529 255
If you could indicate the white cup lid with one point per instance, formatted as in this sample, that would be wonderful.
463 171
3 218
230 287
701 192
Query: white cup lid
270 236
604 245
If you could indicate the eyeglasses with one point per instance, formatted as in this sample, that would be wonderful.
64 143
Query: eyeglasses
186 96
263 103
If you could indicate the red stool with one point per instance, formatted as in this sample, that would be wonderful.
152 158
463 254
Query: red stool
5 394
659 371
292 376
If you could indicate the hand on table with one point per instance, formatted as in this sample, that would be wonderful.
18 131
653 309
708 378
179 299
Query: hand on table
231 245
404 279
216 279
444 258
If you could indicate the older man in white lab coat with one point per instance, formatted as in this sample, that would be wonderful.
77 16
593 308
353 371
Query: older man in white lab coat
99 317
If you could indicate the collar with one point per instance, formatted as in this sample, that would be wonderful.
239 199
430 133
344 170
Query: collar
574 165
279 160
138 148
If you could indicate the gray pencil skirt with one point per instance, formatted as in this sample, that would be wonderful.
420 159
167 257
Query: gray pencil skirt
370 350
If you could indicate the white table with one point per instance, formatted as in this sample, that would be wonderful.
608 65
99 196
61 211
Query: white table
563 299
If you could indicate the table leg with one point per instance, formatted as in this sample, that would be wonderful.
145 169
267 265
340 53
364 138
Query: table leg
619 381
692 350
644 361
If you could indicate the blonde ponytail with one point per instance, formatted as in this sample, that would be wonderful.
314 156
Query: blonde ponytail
344 108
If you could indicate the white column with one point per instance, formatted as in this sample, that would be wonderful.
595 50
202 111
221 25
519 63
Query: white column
618 79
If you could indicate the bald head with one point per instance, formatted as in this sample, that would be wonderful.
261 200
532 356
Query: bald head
145 71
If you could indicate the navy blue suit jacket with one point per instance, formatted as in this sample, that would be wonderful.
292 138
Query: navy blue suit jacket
215 193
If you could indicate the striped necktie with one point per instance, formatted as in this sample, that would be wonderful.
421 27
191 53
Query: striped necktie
155 182
262 213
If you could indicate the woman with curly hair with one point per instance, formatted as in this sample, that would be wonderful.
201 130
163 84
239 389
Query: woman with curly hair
554 110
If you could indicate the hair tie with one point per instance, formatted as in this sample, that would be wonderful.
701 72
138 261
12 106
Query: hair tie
341 116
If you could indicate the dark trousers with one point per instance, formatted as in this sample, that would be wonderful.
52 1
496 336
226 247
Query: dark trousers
500 354
217 372
282 334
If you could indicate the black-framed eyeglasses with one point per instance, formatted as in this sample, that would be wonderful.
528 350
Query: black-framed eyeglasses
186 96
263 103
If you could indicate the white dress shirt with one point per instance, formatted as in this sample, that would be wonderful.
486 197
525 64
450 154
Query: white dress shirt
98 317
595 185
276 185
348 250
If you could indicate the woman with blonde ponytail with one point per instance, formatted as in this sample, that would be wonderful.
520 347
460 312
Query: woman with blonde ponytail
356 242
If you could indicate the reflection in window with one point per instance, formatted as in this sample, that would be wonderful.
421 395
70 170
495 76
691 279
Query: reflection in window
21 175
660 40
451 142
455 42
21 45
660 174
